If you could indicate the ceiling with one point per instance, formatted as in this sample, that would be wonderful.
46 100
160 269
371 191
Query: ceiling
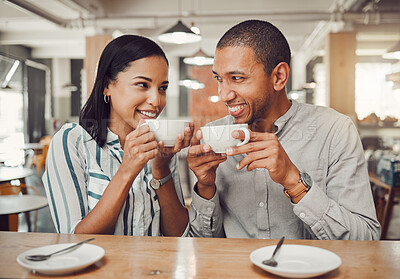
57 28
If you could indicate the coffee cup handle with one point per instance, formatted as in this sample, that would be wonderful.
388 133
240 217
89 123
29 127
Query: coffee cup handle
143 124
246 136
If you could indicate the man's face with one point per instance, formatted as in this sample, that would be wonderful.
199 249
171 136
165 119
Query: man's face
243 85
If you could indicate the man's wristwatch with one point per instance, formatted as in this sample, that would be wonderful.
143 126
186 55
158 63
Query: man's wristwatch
157 183
304 185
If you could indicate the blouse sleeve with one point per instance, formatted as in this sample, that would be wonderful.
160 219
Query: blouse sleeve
174 167
64 178
175 175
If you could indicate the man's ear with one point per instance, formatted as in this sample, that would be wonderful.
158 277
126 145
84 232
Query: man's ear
280 75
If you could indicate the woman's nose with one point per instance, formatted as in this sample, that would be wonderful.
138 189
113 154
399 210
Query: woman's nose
154 98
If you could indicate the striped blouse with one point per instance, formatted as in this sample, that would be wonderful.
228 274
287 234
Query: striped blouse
77 173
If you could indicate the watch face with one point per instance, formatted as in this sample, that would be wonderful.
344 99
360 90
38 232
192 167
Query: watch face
154 183
306 179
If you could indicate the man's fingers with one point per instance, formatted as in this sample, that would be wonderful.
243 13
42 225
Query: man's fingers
203 153
196 138
200 149
238 134
263 163
212 164
206 162
261 158
251 147
254 136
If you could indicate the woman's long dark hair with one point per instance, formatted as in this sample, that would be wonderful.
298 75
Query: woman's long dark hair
115 58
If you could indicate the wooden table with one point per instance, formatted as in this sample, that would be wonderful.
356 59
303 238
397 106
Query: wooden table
173 257
14 204
11 173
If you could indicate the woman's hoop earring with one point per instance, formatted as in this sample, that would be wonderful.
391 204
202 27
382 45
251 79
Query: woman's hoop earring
106 99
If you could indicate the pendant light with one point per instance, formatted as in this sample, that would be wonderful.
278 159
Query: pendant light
199 59
191 84
179 33
10 74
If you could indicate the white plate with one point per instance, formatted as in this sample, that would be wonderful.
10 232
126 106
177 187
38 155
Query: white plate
297 261
63 263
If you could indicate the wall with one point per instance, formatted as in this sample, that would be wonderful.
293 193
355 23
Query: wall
202 110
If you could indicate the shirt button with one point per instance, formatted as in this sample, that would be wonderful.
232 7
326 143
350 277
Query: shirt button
302 215
261 204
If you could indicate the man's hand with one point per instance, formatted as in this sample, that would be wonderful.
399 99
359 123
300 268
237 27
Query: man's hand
265 151
204 163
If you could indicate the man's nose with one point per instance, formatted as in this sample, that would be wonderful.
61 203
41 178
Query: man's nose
226 93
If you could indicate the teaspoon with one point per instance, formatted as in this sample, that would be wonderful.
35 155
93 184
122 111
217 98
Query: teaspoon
45 257
271 261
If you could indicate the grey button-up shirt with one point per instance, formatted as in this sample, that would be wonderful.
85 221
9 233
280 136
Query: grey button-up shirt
326 145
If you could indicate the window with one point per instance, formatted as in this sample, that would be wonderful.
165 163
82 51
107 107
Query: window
374 94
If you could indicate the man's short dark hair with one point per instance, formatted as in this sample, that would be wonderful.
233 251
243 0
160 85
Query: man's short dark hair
269 45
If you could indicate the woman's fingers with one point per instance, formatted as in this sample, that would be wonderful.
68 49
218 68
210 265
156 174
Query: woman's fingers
188 134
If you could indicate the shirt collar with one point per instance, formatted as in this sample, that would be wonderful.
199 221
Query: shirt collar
281 121
112 139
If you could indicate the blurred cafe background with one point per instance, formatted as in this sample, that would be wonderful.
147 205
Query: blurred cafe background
345 55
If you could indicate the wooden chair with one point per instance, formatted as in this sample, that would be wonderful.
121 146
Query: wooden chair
8 189
39 160
384 198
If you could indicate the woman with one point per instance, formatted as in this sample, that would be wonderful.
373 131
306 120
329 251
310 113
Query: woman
98 172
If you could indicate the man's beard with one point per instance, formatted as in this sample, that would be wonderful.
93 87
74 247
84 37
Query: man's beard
260 111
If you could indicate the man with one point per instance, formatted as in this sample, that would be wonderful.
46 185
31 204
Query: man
302 174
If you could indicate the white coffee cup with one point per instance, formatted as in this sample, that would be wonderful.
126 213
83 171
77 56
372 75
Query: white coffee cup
167 130
220 137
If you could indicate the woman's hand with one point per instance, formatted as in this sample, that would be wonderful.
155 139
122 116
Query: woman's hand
165 153
139 147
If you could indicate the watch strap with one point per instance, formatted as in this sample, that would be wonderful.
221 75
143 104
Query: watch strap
165 179
157 183
296 191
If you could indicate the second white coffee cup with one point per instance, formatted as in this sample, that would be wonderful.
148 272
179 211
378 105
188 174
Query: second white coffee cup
220 137
167 130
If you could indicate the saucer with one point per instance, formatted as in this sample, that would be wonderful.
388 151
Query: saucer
297 261
62 263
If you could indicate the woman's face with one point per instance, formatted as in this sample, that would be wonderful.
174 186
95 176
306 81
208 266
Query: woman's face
139 92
